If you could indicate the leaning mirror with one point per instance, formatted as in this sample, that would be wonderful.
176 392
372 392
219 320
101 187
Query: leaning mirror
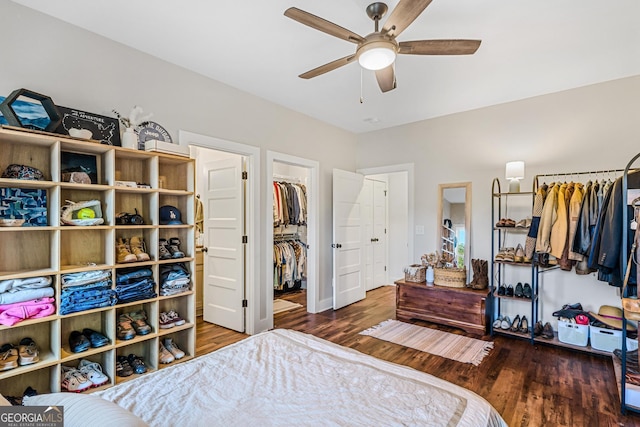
454 223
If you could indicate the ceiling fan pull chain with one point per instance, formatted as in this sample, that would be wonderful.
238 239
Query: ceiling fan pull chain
361 97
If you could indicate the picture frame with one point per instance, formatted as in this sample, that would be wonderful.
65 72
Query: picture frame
80 162
102 128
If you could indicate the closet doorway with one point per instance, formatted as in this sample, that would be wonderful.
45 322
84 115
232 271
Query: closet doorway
292 231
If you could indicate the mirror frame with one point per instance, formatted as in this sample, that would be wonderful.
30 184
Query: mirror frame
467 219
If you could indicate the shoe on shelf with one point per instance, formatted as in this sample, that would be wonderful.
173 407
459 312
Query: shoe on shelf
524 325
165 355
524 223
93 371
515 326
123 369
73 380
165 322
509 255
509 291
163 249
174 248
8 357
137 246
497 322
547 331
518 291
123 252
526 291
27 352
502 290
125 329
137 364
537 329
506 323
177 320
96 338
138 321
78 342
173 348
518 255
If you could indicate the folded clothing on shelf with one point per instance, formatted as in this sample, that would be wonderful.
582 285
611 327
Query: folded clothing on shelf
174 279
86 291
135 285
10 314
20 290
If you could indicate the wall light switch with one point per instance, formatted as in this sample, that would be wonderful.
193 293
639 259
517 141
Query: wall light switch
419 229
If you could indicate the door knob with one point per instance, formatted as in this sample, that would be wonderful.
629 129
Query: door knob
205 249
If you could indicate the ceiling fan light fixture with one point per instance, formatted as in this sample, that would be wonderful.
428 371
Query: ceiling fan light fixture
376 55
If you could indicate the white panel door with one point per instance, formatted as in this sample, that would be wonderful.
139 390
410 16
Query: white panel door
367 207
224 289
348 239
379 246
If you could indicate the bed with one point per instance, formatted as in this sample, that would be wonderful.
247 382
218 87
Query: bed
284 377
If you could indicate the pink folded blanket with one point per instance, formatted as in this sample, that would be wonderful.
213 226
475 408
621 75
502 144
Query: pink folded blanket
10 314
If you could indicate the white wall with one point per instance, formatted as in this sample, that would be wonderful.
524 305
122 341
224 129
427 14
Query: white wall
80 69
592 128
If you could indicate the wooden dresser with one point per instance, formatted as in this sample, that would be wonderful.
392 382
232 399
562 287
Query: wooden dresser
462 308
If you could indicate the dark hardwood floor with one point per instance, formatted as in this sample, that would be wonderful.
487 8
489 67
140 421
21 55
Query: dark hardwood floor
530 385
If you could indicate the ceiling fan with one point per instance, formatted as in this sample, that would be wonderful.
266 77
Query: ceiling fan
377 51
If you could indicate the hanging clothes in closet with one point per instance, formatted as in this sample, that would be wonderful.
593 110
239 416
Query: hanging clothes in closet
289 264
289 203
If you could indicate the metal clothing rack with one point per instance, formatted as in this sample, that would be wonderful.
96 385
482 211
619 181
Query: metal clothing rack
566 175
291 179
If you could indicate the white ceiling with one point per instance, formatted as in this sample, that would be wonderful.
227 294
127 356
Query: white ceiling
528 48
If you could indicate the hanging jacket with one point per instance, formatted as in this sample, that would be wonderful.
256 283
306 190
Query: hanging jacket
548 218
538 204
564 262
582 238
574 215
560 227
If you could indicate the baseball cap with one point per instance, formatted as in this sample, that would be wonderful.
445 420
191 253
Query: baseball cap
170 215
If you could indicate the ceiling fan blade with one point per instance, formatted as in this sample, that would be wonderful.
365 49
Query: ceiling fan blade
327 67
439 47
323 25
386 78
403 15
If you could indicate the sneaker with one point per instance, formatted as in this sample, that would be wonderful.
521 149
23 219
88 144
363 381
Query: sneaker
8 357
27 352
123 252
93 371
78 342
165 355
170 345
73 380
123 369
137 246
166 322
137 364
138 320
177 320
96 338
174 248
163 249
125 329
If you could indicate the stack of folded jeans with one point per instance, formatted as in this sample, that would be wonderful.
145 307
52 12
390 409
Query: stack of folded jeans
86 290
174 279
135 284
26 298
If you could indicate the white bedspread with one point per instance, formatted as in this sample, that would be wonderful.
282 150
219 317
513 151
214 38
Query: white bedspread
285 378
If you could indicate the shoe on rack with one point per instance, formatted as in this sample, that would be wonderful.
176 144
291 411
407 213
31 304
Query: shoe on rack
177 320
123 252
526 291
509 255
137 246
27 352
137 364
139 322
172 347
524 223
165 322
524 325
537 329
515 326
96 338
163 249
510 291
518 255
93 371
502 290
123 369
518 291
497 322
8 357
547 331
165 355
506 323
125 328
174 248
78 342
73 380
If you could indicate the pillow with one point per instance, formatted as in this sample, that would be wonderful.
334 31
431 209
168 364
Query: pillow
82 410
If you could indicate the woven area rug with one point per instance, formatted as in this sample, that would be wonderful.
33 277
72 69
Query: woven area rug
280 305
452 346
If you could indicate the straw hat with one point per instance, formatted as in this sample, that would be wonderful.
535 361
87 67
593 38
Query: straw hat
612 316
